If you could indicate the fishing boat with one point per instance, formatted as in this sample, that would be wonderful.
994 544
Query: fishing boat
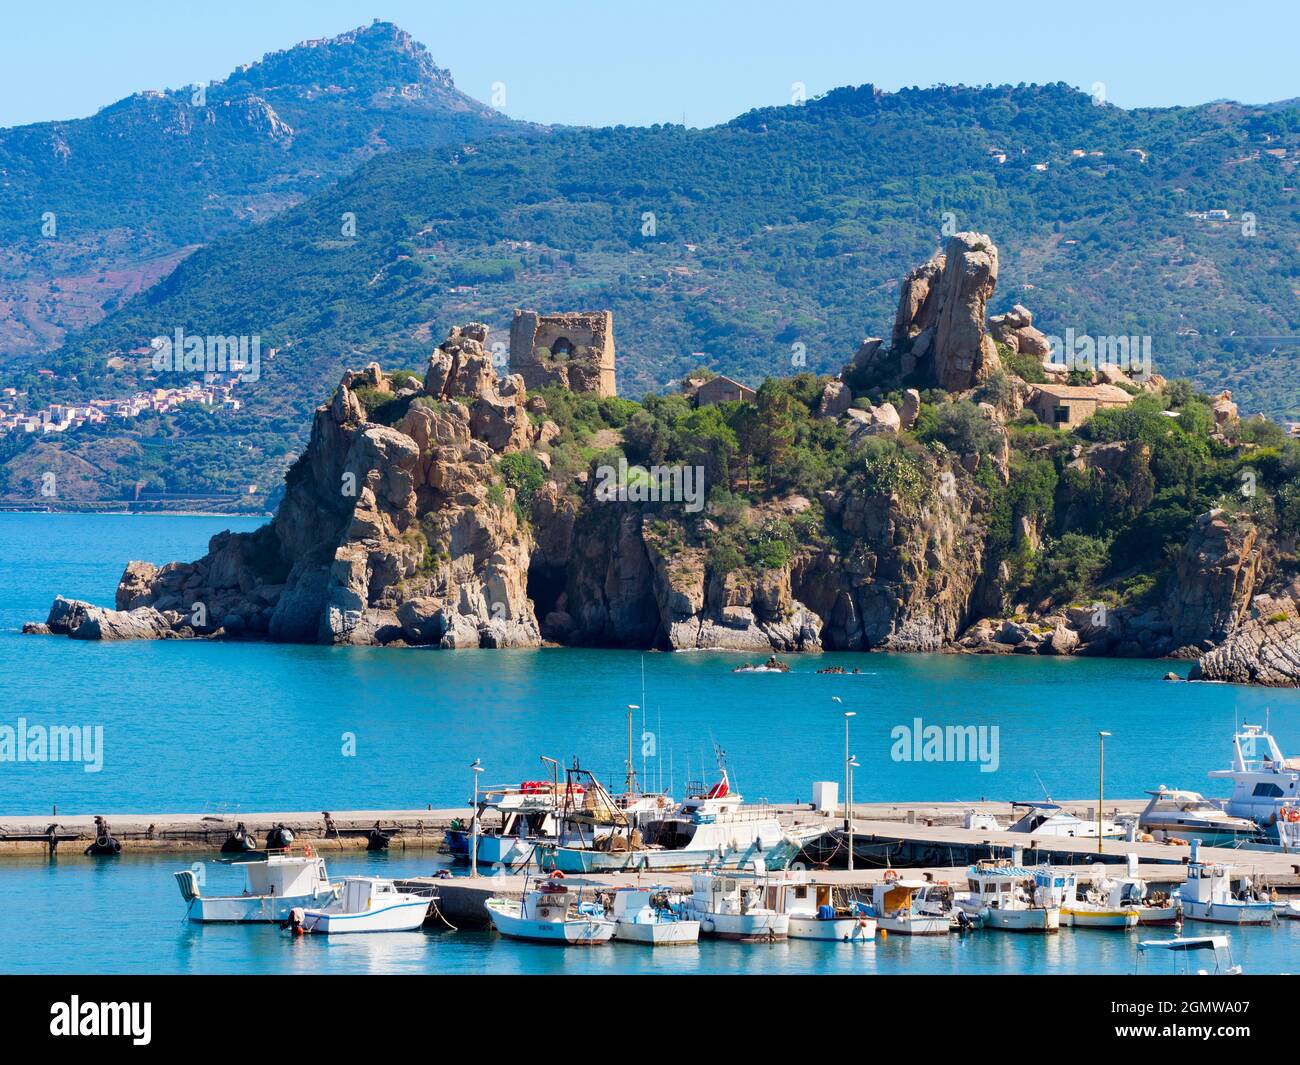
551 913
1093 908
899 906
274 885
712 827
366 904
1189 815
1051 819
512 820
1194 950
743 905
1009 898
1208 896
1130 892
646 915
815 913
1264 780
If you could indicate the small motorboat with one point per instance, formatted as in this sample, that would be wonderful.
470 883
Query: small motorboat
645 915
1191 949
1010 898
1287 908
274 886
1189 815
552 913
747 906
1130 893
815 913
772 665
901 906
1208 895
1051 819
366 904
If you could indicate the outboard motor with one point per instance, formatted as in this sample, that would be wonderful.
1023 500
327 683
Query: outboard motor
279 838
239 841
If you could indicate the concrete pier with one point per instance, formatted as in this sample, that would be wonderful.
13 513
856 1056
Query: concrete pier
327 830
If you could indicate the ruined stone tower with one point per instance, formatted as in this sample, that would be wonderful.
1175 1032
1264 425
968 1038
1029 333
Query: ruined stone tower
575 350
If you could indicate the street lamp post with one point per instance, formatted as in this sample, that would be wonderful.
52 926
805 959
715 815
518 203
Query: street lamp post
852 765
477 767
1101 781
848 785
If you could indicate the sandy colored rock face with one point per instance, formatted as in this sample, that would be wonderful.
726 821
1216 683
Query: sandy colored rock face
941 309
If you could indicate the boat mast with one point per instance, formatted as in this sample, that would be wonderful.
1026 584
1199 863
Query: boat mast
629 783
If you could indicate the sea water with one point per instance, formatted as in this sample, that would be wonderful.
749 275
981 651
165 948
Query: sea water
217 727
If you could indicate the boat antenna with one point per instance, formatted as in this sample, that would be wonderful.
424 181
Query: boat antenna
1046 794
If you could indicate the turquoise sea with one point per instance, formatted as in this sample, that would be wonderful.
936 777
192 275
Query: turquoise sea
220 727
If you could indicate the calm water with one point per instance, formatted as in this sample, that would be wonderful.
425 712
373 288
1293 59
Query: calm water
222 727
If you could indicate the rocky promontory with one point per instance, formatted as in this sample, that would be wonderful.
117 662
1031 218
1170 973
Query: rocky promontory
940 494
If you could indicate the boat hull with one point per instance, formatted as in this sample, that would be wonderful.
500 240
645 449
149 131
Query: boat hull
915 925
1033 921
571 860
747 927
400 917
838 929
584 931
1117 920
658 933
1229 912
253 909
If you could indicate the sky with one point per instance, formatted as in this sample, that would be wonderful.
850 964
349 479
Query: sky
705 61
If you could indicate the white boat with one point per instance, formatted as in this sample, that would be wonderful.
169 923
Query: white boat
1195 949
1287 908
645 915
366 904
1263 779
1009 898
511 821
552 913
1189 815
814 913
711 828
1208 896
274 886
1130 892
739 905
1051 819
898 906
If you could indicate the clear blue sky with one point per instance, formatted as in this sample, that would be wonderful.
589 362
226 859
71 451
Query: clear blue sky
581 61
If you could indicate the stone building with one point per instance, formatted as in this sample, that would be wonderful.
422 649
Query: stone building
1069 406
575 350
722 389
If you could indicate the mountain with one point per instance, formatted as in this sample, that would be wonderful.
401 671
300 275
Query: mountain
770 243
94 210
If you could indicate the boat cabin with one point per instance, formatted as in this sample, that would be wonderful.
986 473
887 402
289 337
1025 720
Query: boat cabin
284 874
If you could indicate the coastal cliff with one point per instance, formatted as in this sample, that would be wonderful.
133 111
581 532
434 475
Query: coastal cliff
920 501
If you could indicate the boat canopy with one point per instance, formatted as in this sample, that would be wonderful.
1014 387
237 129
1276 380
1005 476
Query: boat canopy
1189 943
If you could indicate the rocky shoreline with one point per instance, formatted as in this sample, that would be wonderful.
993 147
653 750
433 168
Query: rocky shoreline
402 525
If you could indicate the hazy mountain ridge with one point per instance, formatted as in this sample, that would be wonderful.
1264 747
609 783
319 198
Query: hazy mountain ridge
779 235
162 170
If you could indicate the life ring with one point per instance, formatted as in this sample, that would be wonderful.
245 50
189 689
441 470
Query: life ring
557 875
891 875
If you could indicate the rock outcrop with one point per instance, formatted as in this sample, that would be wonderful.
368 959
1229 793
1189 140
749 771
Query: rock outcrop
1263 649
940 326
386 533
